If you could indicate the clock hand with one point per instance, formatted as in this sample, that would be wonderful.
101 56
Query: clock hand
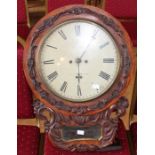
78 61
84 52
78 77
78 72
92 38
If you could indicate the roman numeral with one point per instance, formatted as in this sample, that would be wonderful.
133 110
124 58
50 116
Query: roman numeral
104 45
79 93
51 46
64 86
49 62
108 60
104 75
77 30
52 76
94 34
62 34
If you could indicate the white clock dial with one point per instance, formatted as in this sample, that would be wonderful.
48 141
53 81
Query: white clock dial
79 60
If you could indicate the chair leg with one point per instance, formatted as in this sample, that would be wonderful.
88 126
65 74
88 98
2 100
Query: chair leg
130 142
41 144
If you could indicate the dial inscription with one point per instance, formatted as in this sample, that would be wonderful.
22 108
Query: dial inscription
49 62
108 60
64 86
104 75
52 76
62 34
51 46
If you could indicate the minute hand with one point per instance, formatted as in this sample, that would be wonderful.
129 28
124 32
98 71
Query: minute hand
84 52
93 37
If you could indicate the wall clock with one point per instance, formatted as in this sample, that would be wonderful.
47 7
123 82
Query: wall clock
78 63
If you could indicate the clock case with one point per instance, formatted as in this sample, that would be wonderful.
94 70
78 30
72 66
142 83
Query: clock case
89 125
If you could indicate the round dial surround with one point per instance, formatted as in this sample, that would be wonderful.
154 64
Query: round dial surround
79 60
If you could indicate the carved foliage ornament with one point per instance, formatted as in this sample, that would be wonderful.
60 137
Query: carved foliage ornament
105 119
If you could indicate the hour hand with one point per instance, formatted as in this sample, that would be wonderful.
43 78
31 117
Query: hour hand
79 93
78 77
78 61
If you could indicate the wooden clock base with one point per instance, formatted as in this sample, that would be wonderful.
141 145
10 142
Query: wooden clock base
83 132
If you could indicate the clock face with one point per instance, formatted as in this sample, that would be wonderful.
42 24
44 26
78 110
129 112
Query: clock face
79 60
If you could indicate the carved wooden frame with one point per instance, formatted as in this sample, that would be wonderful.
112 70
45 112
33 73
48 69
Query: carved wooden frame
57 17
99 109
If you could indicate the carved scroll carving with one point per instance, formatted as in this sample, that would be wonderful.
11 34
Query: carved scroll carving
105 119
44 113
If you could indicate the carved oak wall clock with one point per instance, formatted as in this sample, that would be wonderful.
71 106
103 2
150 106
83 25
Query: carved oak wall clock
78 62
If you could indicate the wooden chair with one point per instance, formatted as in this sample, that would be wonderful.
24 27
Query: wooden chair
126 12
130 93
28 135
23 21
121 9
54 4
